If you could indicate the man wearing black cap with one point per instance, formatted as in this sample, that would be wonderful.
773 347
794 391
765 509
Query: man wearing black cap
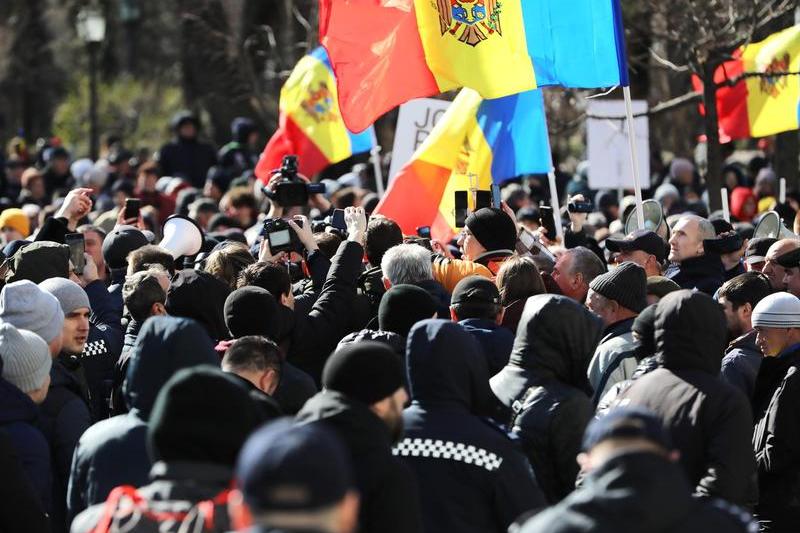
476 307
116 247
295 479
363 400
755 255
645 248
623 452
772 269
617 297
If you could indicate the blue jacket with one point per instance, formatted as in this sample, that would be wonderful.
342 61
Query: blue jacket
741 363
472 477
103 348
17 416
496 341
113 452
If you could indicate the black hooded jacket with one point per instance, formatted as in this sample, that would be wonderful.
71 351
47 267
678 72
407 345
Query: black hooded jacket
545 389
186 158
638 493
472 478
387 487
776 441
199 295
113 452
710 421
704 273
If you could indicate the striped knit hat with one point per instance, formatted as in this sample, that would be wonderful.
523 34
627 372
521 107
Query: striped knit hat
779 310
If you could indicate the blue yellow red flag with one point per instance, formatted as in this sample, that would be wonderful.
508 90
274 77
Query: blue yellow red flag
386 52
476 143
310 124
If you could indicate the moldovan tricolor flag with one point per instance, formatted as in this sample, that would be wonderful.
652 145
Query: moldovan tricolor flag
494 140
310 124
386 52
760 106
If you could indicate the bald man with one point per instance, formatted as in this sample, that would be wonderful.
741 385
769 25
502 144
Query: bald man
772 269
691 267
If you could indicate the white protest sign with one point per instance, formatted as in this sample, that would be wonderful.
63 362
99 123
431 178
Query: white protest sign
415 121
608 148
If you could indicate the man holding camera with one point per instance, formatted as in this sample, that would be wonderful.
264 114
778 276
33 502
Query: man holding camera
308 338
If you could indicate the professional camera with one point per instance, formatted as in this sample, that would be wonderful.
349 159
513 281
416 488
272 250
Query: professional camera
292 190
280 236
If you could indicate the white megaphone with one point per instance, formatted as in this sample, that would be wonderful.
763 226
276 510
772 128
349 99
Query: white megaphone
182 236
653 220
771 226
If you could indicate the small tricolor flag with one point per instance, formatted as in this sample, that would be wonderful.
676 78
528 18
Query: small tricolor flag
310 124
765 105
476 143
386 52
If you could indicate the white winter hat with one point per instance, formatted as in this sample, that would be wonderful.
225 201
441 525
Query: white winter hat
779 310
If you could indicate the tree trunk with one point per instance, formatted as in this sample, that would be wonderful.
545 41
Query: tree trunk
787 153
714 166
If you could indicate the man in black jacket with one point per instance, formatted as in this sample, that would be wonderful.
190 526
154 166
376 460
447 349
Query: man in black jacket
710 420
544 391
472 478
113 452
738 297
200 420
363 401
623 453
185 156
776 440
692 267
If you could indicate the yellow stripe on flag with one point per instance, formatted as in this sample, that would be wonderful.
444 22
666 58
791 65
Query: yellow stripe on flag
458 144
772 103
476 43
310 99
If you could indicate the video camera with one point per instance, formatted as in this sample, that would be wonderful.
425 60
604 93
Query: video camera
292 190
280 236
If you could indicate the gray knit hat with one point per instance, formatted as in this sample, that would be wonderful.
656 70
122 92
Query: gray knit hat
779 310
26 358
626 285
26 306
69 294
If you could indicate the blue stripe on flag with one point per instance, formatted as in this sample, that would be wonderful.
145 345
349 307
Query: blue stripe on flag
515 128
574 43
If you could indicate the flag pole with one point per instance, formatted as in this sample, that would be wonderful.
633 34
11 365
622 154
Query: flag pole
375 157
726 212
551 176
637 184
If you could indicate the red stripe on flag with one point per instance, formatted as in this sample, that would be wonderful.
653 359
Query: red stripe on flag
414 196
734 120
377 56
287 140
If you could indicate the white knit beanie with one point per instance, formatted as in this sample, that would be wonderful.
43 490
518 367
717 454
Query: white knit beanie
26 357
779 310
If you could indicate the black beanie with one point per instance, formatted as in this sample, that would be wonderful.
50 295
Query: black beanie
403 306
202 415
252 310
121 241
366 371
626 285
493 228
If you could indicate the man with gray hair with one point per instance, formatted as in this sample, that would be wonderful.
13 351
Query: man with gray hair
411 264
574 271
691 267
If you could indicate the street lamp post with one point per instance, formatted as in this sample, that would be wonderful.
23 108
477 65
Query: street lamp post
92 30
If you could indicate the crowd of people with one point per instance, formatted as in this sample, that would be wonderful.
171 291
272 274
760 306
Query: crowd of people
363 380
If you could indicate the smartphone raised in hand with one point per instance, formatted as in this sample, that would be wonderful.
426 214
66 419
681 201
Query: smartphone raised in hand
547 221
132 206
461 208
77 249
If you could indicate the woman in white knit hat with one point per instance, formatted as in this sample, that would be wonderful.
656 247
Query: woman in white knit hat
776 441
